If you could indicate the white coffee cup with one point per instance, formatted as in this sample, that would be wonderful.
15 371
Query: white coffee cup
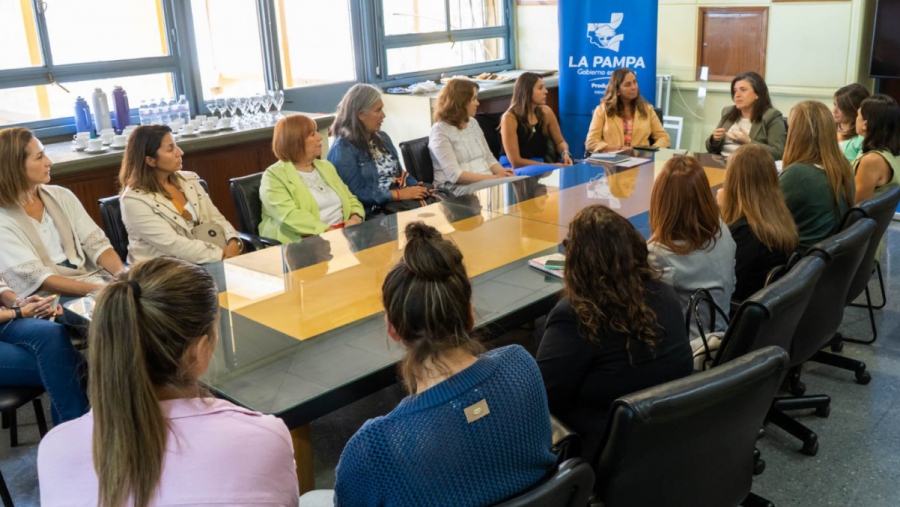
175 125
82 142
107 131
201 117
107 137
95 144
225 122
188 128
119 141
209 124
84 135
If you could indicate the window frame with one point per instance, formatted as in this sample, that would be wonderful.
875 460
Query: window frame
49 73
378 73
370 55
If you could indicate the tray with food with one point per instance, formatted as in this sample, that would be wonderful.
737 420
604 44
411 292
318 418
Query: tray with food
490 77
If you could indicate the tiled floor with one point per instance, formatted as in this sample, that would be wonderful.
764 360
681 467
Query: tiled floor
858 463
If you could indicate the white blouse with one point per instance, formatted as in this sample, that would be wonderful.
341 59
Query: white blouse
741 126
454 151
50 238
331 211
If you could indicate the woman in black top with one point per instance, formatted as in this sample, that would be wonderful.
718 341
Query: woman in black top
528 125
761 225
618 330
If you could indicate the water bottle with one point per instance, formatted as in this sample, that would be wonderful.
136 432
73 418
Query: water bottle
184 109
101 111
174 113
144 113
164 117
123 111
154 112
83 121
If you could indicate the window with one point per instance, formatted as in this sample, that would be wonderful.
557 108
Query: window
226 33
315 39
422 37
55 50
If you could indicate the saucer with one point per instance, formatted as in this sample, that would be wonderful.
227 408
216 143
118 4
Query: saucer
206 131
77 148
95 152
230 127
118 147
185 134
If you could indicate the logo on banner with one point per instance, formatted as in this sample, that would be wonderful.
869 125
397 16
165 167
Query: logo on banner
604 36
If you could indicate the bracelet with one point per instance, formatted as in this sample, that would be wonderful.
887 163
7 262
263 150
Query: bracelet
239 242
18 312
395 196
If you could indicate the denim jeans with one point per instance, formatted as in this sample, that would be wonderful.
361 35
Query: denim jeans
35 352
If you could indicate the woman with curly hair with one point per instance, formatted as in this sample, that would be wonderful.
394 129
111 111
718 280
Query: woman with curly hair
618 329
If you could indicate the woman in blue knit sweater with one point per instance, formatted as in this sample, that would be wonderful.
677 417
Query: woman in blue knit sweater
476 428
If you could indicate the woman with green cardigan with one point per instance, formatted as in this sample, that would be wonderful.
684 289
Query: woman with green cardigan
301 195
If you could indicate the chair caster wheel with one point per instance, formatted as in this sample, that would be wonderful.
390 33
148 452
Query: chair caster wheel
798 388
759 467
762 433
837 346
810 448
823 411
863 377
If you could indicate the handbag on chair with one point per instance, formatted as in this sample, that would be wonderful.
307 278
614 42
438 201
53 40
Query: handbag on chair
705 351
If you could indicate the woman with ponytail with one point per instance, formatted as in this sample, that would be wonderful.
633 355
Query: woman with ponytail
475 428
154 436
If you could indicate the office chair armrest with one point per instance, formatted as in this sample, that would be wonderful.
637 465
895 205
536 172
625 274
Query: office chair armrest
251 242
566 443
269 241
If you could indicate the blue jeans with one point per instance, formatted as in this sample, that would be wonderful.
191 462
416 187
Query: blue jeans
36 352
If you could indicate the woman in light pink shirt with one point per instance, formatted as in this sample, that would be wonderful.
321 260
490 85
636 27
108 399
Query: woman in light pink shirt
153 438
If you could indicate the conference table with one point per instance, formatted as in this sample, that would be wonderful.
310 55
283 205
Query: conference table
302 331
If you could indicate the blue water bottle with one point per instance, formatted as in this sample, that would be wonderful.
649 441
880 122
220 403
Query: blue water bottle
83 121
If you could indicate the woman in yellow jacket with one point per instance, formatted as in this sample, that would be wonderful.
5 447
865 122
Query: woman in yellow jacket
624 119
302 195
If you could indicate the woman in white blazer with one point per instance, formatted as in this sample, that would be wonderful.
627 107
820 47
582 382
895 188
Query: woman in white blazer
163 206
49 243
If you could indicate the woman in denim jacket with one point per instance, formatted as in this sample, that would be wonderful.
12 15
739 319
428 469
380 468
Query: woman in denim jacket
364 156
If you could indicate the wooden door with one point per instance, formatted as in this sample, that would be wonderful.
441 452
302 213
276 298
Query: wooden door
731 41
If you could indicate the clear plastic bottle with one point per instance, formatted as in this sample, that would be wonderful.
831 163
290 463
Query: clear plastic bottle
164 113
144 113
154 112
184 108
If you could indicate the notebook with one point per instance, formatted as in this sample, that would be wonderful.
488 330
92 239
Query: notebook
539 262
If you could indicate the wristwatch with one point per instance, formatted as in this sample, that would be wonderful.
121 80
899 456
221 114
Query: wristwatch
18 311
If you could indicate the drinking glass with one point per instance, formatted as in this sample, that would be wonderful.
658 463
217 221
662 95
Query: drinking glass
244 104
266 100
278 100
254 106
232 104
211 105
221 106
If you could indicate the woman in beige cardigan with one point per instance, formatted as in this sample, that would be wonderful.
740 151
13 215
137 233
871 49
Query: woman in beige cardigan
162 205
624 119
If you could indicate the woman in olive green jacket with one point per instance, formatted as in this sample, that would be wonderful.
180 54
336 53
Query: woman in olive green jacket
301 195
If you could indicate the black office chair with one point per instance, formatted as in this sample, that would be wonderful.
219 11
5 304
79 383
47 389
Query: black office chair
14 397
5 497
881 209
245 194
711 418
842 254
417 159
490 125
569 486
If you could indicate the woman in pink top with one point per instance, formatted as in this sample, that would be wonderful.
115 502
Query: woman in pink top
153 437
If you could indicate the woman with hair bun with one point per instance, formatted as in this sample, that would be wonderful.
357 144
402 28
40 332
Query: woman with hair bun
154 436
475 428
618 329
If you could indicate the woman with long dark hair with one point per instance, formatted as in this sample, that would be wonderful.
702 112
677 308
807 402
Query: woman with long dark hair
751 119
154 435
878 166
846 107
529 126
624 119
617 330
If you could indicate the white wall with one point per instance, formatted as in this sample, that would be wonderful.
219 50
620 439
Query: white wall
813 48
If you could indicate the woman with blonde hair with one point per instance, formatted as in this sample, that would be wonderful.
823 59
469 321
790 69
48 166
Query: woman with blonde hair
154 436
50 243
624 119
689 243
165 210
817 181
617 330
760 223
459 151
302 195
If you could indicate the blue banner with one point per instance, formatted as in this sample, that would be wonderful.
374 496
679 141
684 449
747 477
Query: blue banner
596 38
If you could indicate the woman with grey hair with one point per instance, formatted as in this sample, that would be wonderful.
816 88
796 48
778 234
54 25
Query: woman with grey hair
365 157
